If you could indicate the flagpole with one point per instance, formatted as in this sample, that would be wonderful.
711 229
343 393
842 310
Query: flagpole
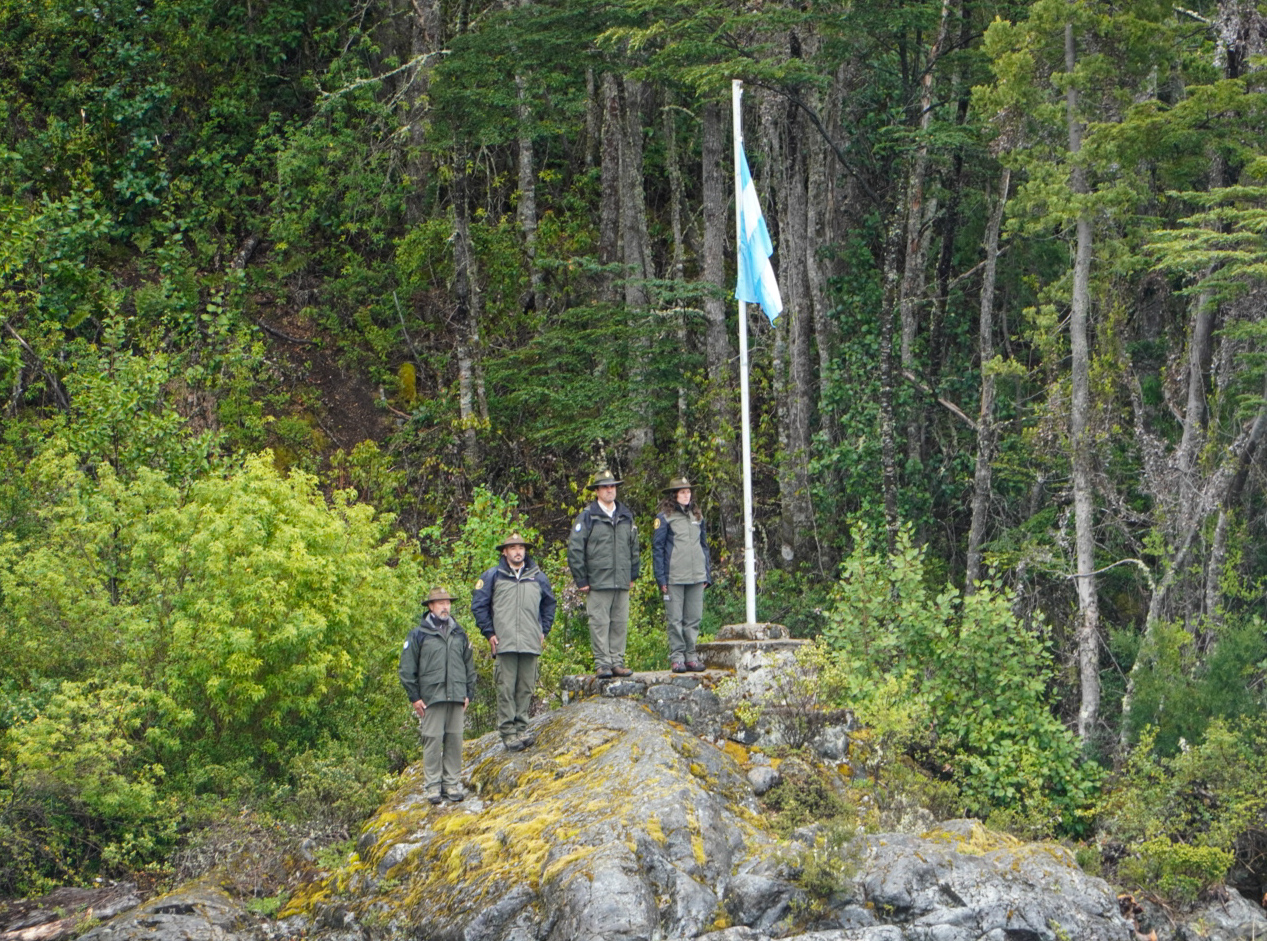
749 557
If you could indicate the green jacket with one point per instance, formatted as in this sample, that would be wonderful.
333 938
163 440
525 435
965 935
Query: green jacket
436 663
602 549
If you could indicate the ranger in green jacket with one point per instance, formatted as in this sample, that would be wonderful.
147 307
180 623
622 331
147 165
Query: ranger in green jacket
437 670
514 607
603 559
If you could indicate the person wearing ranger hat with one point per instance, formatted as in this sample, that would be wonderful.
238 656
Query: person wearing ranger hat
514 607
437 669
603 560
679 555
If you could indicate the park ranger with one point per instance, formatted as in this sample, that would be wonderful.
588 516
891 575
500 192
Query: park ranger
437 669
603 559
514 607
679 555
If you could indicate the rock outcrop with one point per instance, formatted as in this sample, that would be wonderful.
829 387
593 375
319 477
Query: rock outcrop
618 825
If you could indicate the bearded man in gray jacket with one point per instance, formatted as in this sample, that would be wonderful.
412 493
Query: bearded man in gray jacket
514 607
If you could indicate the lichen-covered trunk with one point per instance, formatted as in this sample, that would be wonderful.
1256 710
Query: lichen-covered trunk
888 424
466 315
635 241
677 270
981 480
527 208
920 211
1088 632
719 354
784 146
609 198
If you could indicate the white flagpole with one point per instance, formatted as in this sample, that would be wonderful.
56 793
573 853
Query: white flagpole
749 557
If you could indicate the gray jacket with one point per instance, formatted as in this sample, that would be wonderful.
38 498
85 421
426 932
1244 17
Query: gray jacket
519 609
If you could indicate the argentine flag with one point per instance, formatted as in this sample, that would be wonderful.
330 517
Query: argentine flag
756 283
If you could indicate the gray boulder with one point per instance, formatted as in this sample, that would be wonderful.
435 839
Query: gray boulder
195 912
615 825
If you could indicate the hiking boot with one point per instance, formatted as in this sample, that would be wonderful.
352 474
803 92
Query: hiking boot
529 739
514 744
434 798
455 797
678 666
695 666
622 671
603 673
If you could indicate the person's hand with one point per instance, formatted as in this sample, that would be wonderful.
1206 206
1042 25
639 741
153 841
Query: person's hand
543 638
631 584
584 588
492 643
466 702
420 707
664 589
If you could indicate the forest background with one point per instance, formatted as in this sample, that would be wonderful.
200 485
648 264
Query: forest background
303 304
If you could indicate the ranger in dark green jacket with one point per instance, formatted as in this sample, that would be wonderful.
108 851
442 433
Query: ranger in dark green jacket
603 559
514 607
437 670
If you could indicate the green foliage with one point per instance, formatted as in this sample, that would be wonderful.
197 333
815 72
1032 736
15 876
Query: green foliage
1187 688
807 795
202 638
977 674
1209 793
1176 871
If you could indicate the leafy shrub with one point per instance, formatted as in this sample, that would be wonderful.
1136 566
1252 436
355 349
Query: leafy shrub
805 796
1208 796
973 685
1178 871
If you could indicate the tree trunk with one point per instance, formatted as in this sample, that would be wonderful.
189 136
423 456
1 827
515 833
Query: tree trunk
636 251
785 150
527 208
719 354
888 426
678 268
467 314
981 482
609 205
1080 437
1217 492
919 216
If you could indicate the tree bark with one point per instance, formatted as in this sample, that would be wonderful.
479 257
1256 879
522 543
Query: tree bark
1088 632
678 267
636 251
609 203
919 215
466 293
888 426
719 354
784 146
981 481
527 208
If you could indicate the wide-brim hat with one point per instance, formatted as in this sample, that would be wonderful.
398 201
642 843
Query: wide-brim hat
679 483
437 594
604 478
514 539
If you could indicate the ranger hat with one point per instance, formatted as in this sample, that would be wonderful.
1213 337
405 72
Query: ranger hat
514 539
437 594
679 483
603 478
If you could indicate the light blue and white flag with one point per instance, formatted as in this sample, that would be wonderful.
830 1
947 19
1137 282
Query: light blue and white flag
757 284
